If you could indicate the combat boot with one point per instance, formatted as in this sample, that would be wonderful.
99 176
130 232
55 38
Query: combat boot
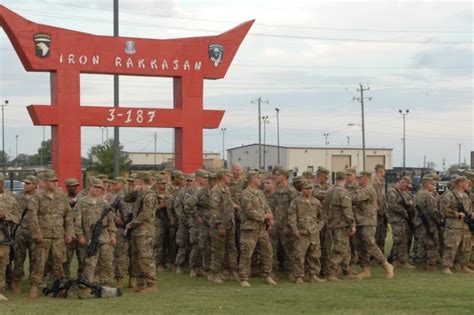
119 283
217 279
269 280
388 270
291 277
332 279
16 286
179 270
430 268
132 284
447 271
3 297
407 265
152 289
299 280
34 292
316 279
466 269
365 274
193 273
234 276
353 277
210 277
245 284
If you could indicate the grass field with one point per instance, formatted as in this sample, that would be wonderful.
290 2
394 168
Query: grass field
410 292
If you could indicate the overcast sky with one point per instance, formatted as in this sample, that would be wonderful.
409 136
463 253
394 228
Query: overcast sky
305 57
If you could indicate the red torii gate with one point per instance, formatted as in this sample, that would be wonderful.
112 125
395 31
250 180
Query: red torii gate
67 54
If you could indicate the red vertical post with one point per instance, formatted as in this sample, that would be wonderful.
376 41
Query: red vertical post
66 135
188 96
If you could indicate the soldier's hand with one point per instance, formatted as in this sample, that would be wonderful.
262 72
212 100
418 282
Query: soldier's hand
472 215
128 226
461 215
268 216
119 221
2 214
113 240
296 235
82 241
352 230
236 206
39 240
221 232
68 239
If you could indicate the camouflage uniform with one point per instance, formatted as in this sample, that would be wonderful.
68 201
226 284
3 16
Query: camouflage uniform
273 234
50 217
457 235
236 187
143 225
253 231
381 230
222 216
399 216
305 218
88 213
283 197
170 238
24 243
427 234
11 210
182 235
74 247
162 225
340 219
353 190
319 192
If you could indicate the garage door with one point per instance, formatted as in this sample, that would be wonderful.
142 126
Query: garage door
373 160
340 162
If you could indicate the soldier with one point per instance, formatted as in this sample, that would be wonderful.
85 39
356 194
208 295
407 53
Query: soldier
177 181
379 184
284 195
305 219
200 199
222 228
162 223
24 243
269 192
256 216
352 187
401 214
107 194
145 202
236 186
90 209
320 190
297 183
427 218
51 225
456 206
366 221
182 235
9 215
341 223
72 187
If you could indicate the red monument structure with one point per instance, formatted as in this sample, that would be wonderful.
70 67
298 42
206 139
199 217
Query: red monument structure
66 54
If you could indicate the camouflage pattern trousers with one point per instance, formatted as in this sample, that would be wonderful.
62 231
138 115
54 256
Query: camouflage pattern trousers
287 242
205 245
340 252
104 261
195 257
182 240
326 244
159 250
223 251
307 248
249 239
122 257
381 231
71 249
24 245
457 240
428 244
4 259
142 257
50 247
365 240
402 236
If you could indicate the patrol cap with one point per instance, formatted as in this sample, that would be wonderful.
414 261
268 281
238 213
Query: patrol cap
322 170
340 175
42 174
379 167
71 182
103 177
119 179
177 174
308 174
132 177
223 172
251 174
280 170
308 185
366 174
201 173
407 179
143 175
50 176
427 179
97 182
161 180
469 175
212 175
460 179
190 177
297 179
351 171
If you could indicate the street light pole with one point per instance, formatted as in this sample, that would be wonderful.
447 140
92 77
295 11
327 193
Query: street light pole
259 102
361 99
278 133
348 140
16 150
459 145
326 142
116 98
404 113
223 142
3 137
265 122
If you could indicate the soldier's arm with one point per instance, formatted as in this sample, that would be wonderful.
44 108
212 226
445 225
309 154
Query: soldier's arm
214 209
447 206
191 202
393 201
14 215
249 208
293 217
111 227
346 205
32 215
78 223
68 222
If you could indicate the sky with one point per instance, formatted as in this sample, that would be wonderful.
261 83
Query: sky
306 58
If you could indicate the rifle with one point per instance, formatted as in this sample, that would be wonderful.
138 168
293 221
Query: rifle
21 220
8 239
91 249
98 290
58 287
425 220
409 209
467 216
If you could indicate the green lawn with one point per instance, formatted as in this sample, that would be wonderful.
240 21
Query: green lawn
412 292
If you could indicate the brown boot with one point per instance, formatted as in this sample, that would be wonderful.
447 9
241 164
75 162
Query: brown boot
447 271
388 270
152 289
16 286
365 274
407 265
119 283
466 269
132 284
34 292
353 277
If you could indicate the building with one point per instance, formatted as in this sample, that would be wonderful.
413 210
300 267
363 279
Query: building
161 160
302 159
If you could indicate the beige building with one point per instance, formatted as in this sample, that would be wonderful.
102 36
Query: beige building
302 159
211 160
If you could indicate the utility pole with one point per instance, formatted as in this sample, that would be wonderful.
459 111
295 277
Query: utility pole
223 142
265 122
259 102
16 150
154 156
348 140
116 97
3 137
326 142
278 134
41 148
361 99
404 113
459 145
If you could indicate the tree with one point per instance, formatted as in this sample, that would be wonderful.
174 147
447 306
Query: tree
455 167
44 149
101 158
4 158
